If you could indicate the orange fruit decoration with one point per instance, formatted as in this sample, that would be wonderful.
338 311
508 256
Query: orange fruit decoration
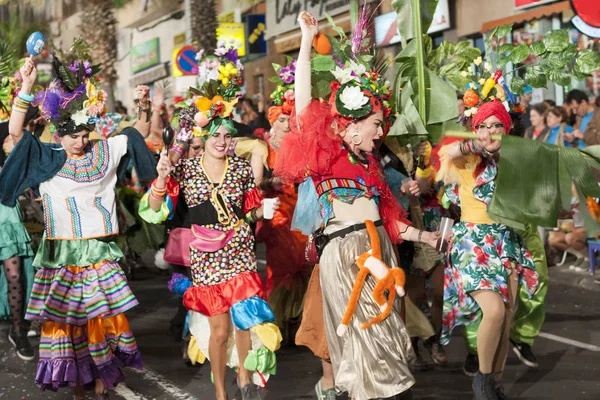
217 99
470 98
203 103
321 44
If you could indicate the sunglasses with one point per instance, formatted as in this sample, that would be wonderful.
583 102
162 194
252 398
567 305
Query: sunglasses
496 126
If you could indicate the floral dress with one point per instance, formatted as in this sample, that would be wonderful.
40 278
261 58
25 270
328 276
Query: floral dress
225 280
481 256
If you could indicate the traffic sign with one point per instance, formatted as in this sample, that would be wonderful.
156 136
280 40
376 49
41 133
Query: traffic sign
186 60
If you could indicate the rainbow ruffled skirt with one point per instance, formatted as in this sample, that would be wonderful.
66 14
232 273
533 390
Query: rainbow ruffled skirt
85 335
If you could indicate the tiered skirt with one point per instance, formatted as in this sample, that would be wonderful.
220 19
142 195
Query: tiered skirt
85 335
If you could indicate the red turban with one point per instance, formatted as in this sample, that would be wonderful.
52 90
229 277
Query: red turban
495 108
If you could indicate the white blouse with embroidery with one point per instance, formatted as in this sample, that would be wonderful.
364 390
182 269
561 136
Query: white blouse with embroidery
80 201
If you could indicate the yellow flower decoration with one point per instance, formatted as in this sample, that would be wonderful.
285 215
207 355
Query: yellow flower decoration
94 95
478 61
229 107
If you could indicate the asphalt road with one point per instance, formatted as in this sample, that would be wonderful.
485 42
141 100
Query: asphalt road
568 352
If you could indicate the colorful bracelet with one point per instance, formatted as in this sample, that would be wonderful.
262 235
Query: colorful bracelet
177 148
20 103
157 197
158 191
26 97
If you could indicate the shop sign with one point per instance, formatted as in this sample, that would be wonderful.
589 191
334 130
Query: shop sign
255 28
233 35
282 15
145 55
519 4
587 17
386 25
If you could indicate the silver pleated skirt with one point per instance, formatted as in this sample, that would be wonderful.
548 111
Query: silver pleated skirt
367 363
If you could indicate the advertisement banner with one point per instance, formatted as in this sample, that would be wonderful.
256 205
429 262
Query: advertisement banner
255 28
233 35
145 55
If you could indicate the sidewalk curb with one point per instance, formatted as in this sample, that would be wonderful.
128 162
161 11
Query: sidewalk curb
581 280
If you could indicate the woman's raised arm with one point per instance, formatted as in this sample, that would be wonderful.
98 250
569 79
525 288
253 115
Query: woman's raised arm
17 118
303 87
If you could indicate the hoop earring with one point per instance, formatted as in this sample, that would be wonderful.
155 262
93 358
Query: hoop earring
360 139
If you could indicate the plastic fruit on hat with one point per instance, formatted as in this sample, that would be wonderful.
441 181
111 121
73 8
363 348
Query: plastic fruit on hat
203 103
471 98
201 119
217 99
289 95
321 44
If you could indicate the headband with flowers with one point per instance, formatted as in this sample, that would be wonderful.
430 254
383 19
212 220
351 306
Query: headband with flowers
211 104
73 101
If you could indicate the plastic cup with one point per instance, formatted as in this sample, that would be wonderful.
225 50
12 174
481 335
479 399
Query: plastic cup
446 225
268 208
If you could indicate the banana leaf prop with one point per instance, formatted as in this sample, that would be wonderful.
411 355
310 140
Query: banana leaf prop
425 104
534 182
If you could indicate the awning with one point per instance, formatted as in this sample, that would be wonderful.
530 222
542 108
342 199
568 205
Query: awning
534 14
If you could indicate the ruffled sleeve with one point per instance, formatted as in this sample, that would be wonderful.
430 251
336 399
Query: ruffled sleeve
311 147
167 208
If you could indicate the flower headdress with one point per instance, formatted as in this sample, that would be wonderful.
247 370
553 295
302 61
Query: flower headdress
349 75
283 97
212 103
73 101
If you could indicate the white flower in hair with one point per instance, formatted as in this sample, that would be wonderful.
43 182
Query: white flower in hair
80 117
220 51
199 55
353 98
358 69
343 75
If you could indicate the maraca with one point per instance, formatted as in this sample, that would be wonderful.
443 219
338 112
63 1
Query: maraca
36 43
168 134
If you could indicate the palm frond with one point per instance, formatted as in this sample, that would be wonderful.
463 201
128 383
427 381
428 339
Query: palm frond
8 59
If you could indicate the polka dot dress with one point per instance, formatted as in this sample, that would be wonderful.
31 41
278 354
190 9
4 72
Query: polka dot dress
213 268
